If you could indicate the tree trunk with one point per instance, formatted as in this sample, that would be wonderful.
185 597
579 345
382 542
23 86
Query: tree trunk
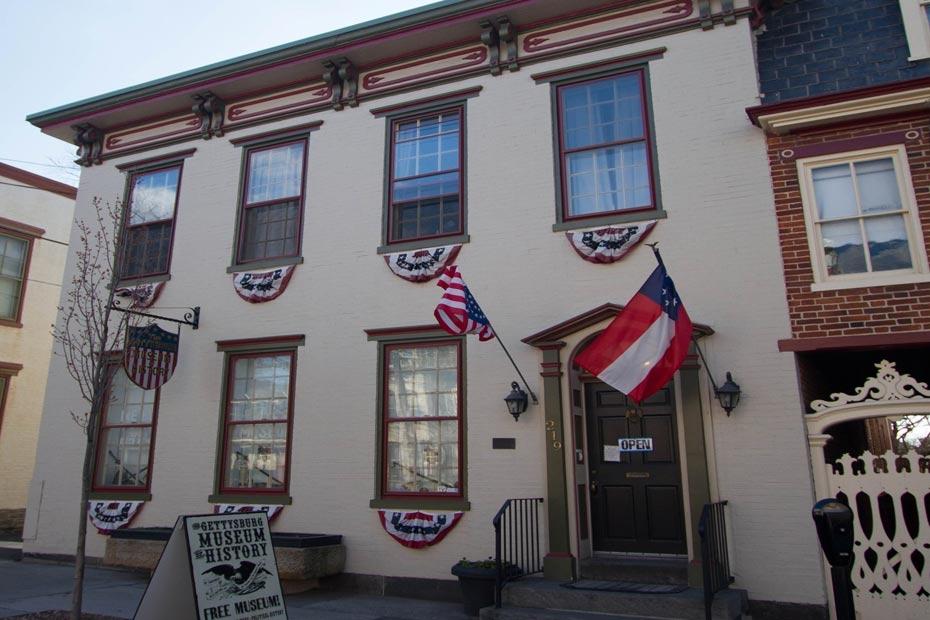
77 593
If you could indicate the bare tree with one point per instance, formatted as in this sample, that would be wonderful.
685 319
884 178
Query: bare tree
86 332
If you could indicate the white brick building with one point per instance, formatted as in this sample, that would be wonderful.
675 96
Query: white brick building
677 79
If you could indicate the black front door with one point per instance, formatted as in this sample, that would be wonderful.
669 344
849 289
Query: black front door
636 503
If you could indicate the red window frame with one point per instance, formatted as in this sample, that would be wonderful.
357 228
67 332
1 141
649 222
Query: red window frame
244 205
227 425
17 318
564 152
385 420
4 388
391 180
113 367
128 227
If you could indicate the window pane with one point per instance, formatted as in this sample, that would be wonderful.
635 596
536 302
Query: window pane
426 218
260 388
842 248
275 173
124 461
271 231
602 112
878 186
9 298
257 456
888 246
416 385
422 457
153 196
609 179
147 249
833 191
128 404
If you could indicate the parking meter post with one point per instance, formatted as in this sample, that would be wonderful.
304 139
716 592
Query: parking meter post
834 522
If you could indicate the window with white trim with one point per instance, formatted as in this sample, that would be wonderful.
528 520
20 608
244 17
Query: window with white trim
861 218
916 15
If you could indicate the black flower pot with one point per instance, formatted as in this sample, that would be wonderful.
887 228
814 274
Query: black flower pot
477 584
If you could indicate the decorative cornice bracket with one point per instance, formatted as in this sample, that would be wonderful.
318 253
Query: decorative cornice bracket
507 33
342 77
707 17
491 39
89 140
729 13
211 110
494 36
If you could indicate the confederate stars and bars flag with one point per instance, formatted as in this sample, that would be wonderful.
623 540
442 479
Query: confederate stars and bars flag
151 355
458 312
646 343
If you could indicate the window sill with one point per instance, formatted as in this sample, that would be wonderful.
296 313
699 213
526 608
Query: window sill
608 220
125 496
251 498
10 323
125 282
910 278
265 263
422 503
419 244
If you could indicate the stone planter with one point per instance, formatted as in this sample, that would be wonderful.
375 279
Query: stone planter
477 584
303 559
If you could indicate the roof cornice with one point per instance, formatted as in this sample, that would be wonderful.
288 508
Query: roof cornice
809 112
336 41
38 181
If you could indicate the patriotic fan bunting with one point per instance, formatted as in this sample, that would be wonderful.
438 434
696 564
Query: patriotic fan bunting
421 265
418 529
608 245
108 516
260 286
272 510
457 312
141 296
151 355
645 344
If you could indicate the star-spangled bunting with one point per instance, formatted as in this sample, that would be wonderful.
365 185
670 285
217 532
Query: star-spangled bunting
458 312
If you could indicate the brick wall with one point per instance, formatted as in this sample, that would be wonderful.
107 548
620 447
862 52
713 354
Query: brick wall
813 47
856 311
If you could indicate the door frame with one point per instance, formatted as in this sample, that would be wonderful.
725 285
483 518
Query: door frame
695 436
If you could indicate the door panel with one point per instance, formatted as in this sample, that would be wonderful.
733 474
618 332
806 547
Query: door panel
636 503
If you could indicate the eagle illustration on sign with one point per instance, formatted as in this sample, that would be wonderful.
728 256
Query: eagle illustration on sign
150 356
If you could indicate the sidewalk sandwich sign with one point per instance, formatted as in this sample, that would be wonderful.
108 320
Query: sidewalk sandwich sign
216 567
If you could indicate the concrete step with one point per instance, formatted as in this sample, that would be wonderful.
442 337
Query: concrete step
526 613
639 569
537 593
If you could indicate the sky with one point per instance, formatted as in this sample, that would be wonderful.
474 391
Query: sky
55 52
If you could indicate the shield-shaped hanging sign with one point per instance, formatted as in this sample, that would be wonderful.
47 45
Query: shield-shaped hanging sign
150 356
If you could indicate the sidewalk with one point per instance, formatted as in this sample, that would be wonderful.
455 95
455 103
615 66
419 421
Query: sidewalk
37 586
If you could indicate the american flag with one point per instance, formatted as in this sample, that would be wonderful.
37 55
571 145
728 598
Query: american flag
458 312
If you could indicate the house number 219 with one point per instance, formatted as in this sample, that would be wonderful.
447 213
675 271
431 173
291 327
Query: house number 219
550 428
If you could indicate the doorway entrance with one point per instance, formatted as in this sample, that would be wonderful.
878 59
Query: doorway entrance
636 497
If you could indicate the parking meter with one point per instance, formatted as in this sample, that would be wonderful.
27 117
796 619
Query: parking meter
834 522
834 528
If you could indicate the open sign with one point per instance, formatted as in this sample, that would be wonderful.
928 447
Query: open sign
635 444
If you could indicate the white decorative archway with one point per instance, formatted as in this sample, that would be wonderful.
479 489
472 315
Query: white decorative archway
888 394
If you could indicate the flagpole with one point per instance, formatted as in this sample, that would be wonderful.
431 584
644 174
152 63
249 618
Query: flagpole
525 384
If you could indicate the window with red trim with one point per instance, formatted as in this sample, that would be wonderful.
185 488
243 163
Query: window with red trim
604 146
425 189
153 201
422 419
125 440
272 202
257 421
14 256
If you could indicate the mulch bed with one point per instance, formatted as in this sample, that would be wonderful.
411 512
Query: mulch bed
60 615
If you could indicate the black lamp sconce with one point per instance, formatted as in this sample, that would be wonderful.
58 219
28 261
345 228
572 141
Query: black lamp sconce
517 401
727 394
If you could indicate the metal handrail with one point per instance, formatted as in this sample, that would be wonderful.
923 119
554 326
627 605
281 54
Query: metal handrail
517 542
715 557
